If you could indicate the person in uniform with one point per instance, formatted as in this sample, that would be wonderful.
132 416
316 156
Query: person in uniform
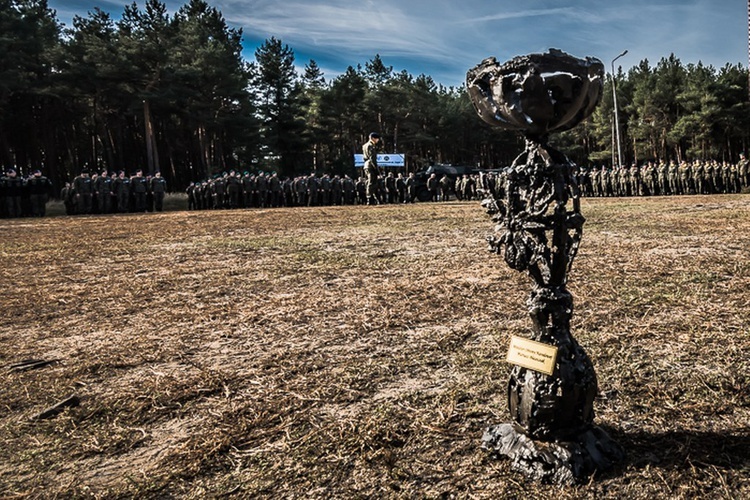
121 189
390 188
40 189
300 191
274 190
445 187
349 188
312 190
401 187
83 191
139 187
13 191
219 190
699 176
411 188
103 192
190 192
337 187
248 186
158 189
432 186
674 178
262 190
234 187
66 195
371 172
685 173
743 171
325 190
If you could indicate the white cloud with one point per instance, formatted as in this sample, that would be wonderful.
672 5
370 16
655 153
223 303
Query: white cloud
443 38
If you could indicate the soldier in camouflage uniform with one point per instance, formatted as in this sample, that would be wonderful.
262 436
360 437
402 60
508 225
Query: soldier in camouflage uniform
685 174
714 173
673 178
446 184
595 181
606 182
699 172
743 171
726 177
371 172
737 179
636 187
624 178
662 173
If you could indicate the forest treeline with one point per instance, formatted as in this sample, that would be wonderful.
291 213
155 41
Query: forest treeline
173 93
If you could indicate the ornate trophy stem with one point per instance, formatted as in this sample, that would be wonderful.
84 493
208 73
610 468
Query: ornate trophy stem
552 437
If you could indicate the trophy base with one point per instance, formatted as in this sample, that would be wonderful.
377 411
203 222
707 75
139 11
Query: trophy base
563 463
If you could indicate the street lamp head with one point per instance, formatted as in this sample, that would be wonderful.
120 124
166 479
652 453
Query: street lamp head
616 58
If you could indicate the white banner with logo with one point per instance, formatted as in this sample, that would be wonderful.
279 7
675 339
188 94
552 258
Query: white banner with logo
384 160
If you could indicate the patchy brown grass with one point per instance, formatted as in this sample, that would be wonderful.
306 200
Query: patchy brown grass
358 352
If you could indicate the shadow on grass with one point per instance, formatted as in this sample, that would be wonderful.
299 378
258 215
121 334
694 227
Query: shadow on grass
678 449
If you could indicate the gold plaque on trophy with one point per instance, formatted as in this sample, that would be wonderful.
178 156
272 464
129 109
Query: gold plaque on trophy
532 355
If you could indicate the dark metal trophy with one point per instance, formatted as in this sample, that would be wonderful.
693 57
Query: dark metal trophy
553 384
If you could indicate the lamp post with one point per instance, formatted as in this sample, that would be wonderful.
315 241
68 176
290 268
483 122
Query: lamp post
617 119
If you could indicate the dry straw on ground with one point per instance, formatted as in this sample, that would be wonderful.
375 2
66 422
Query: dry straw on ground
358 352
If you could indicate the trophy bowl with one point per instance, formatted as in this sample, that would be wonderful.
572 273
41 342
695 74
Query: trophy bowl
536 93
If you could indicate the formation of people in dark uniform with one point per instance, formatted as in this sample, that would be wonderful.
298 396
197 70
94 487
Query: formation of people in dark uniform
24 196
104 192
267 190
664 179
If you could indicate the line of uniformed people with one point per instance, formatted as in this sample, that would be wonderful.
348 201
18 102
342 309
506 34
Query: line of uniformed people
652 179
24 196
104 193
268 190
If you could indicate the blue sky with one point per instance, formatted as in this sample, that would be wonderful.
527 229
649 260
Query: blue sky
444 38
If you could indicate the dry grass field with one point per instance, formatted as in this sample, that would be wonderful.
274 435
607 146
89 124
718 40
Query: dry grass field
352 352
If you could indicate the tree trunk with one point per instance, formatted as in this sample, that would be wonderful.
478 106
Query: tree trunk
152 155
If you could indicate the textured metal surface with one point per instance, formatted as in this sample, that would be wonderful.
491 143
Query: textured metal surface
535 205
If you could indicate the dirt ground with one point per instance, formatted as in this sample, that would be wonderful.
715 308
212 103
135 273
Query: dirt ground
349 352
